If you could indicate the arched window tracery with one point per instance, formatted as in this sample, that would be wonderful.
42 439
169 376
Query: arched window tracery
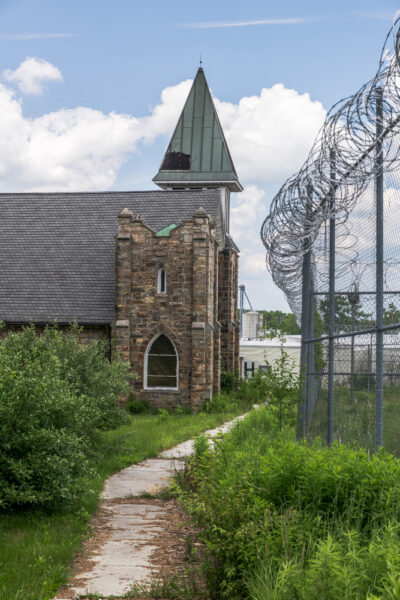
161 364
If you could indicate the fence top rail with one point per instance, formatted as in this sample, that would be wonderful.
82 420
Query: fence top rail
321 338
354 373
358 292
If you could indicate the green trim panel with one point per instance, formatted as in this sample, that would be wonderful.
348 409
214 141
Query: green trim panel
166 230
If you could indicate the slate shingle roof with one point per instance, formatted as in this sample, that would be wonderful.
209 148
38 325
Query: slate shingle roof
230 243
57 251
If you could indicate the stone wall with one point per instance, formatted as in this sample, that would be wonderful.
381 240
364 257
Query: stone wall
227 309
186 312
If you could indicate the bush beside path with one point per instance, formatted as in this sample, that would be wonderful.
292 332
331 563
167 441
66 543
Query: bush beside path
62 433
281 519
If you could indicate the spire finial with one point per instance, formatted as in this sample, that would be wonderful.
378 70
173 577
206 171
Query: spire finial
201 62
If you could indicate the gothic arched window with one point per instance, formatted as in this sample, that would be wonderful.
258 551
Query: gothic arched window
161 363
161 281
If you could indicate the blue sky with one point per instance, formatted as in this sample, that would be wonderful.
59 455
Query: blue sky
94 58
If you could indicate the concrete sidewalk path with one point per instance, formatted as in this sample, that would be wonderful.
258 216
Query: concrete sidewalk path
119 553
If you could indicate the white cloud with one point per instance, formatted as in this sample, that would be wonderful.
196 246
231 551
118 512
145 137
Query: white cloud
35 36
248 23
271 134
377 15
164 116
248 210
31 75
75 149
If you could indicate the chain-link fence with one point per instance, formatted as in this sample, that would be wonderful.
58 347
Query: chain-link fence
333 241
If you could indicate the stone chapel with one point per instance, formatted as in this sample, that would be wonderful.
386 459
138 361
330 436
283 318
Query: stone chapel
154 273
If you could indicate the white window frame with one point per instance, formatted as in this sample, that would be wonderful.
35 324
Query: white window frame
146 361
159 281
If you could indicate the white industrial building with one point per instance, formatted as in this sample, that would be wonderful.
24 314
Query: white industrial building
258 353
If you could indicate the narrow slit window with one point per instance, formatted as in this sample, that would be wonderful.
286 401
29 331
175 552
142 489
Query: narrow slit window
161 364
162 281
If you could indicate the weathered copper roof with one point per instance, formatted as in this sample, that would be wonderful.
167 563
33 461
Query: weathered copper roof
198 155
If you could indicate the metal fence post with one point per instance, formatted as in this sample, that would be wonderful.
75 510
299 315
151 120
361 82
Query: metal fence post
241 299
352 358
310 355
353 298
332 266
379 272
305 332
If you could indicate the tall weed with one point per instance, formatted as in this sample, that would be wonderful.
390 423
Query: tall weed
238 393
285 520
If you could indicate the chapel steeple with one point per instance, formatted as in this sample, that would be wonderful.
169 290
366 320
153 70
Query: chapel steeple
198 155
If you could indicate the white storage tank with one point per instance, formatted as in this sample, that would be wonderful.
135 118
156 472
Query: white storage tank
251 324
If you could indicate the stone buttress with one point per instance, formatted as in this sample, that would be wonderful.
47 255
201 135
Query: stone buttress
186 312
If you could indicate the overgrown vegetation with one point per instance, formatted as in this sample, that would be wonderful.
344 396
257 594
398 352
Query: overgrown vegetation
37 546
284 520
282 383
279 386
354 419
61 434
238 393
55 394
281 322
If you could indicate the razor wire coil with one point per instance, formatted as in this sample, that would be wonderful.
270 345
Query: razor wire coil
342 161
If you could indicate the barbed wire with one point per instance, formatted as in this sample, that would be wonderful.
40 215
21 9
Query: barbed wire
342 162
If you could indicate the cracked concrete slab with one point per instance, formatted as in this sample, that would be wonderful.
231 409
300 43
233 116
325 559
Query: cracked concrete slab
148 476
125 556
122 554
187 448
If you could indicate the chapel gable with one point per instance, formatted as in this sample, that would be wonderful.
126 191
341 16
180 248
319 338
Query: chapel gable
154 272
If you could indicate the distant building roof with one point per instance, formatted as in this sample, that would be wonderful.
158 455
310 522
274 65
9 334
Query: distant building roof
198 153
57 251
289 341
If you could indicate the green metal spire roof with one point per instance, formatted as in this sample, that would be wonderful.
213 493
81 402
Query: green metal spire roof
198 154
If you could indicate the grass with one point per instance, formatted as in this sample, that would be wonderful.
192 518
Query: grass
37 549
284 520
354 422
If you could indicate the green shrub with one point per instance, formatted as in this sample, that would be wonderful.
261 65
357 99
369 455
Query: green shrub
136 406
222 402
229 381
162 415
283 388
343 568
285 520
200 446
238 393
254 389
54 396
89 372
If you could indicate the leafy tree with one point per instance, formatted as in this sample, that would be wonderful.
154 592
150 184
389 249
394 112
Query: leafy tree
344 314
319 361
283 387
391 314
276 320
